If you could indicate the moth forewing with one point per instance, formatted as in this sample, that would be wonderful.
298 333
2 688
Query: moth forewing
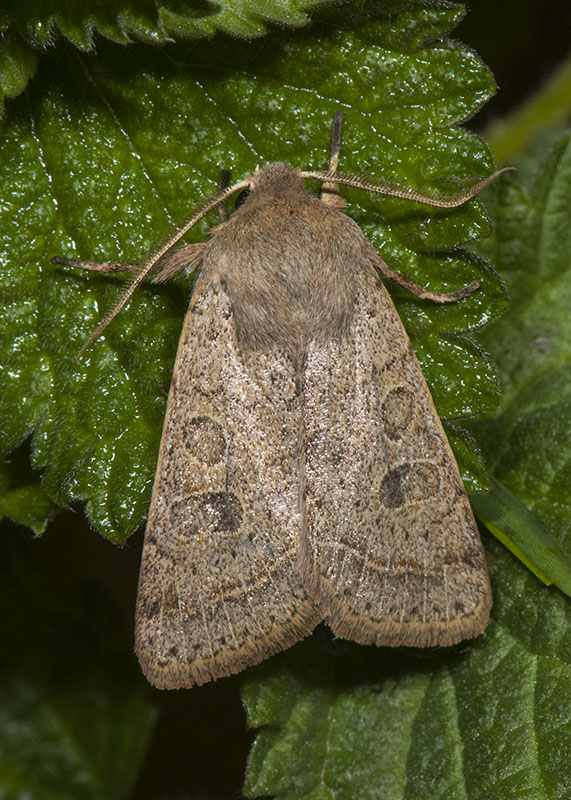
394 545
218 588
303 472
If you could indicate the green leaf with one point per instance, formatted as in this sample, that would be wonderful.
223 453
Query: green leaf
17 64
22 498
149 22
512 523
486 719
481 720
109 151
74 717
468 456
27 28
527 443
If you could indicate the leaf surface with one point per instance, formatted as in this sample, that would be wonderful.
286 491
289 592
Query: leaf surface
110 151
527 441
342 721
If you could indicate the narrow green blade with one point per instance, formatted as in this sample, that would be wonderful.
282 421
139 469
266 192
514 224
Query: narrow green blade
519 530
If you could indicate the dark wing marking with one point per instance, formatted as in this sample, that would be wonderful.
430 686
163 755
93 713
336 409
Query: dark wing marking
219 589
390 546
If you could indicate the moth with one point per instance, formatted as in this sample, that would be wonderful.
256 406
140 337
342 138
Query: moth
303 473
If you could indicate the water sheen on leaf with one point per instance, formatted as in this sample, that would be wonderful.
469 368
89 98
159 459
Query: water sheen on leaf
110 151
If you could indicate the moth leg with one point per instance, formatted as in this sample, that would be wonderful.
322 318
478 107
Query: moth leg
176 259
419 291
330 195
108 266
167 266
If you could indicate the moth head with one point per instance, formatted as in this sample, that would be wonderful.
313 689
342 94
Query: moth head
274 178
278 179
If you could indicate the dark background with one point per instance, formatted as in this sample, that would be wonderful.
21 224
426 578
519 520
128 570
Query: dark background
522 41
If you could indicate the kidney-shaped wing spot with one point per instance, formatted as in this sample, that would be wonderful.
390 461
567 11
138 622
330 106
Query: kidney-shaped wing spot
393 548
218 587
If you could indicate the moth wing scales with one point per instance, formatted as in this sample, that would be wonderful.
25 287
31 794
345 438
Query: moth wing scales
394 551
218 588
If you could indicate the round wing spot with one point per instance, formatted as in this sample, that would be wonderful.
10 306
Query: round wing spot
397 411
205 440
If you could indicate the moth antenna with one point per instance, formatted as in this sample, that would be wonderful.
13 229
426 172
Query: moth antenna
394 190
330 189
224 184
335 141
147 266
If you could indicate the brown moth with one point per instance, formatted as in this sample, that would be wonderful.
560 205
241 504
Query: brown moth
303 472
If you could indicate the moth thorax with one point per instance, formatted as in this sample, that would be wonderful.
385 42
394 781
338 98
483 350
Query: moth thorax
286 313
288 270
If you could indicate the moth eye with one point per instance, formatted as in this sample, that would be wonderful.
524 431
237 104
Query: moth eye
242 197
